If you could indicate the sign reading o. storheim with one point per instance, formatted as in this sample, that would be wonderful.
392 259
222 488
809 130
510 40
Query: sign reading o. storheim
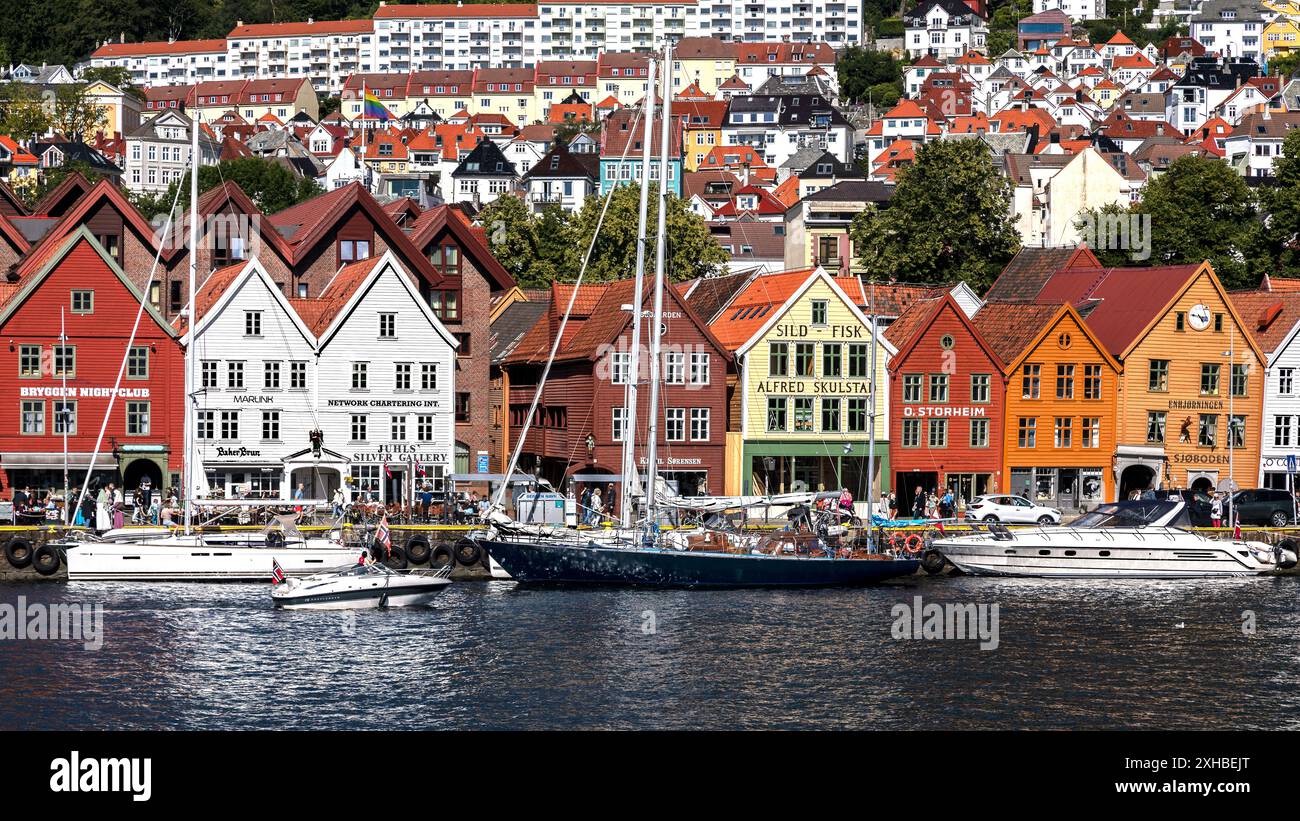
943 411
63 621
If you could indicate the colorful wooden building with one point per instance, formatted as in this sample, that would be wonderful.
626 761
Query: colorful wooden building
803 405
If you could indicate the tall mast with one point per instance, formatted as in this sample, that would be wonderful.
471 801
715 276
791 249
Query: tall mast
633 371
871 435
656 319
190 404
69 516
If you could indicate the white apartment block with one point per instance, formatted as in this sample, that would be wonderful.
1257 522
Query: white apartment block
943 28
403 38
458 37
1078 10
183 62
325 52
835 22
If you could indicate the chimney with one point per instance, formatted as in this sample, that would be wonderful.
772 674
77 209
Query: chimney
311 20
1160 129
121 37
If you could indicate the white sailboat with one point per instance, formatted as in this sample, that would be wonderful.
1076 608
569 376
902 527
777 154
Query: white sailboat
134 554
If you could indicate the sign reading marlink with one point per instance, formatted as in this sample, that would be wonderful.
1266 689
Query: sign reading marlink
59 392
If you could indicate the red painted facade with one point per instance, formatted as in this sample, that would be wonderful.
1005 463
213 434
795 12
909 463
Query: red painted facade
29 322
581 394
931 429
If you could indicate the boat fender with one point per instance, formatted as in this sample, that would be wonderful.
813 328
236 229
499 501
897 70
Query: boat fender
468 552
418 550
18 552
396 558
914 544
274 538
1287 552
45 560
442 555
932 561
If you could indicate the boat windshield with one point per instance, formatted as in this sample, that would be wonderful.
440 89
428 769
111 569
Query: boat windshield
1133 514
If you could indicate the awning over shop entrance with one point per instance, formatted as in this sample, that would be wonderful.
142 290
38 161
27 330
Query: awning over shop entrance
54 461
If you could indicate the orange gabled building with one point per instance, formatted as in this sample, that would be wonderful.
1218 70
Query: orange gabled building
1061 416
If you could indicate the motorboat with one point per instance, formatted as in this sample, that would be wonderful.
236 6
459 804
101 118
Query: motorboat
1126 539
361 586
203 557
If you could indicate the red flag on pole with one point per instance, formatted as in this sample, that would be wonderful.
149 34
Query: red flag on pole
1236 525
277 572
383 536
388 474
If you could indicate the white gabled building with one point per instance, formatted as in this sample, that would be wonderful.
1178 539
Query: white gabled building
256 394
1273 319
385 386
943 28
1079 10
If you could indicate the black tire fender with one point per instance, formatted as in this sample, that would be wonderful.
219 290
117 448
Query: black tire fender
932 562
396 558
18 552
442 555
468 552
46 560
418 550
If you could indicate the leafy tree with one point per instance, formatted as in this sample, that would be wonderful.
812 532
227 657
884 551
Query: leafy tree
1202 209
75 114
328 105
1284 65
24 114
948 219
512 237
1281 205
271 186
884 96
692 250
860 69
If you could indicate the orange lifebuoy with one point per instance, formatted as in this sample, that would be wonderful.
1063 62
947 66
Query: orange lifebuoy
914 543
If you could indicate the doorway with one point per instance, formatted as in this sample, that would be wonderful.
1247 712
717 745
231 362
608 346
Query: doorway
1135 477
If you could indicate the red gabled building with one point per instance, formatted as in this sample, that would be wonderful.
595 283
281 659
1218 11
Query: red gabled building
947 397
578 426
76 279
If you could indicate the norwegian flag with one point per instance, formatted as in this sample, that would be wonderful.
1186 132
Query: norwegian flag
1236 526
277 572
939 527
419 468
388 474
383 536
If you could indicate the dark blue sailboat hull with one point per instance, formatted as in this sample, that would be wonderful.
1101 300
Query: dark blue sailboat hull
542 562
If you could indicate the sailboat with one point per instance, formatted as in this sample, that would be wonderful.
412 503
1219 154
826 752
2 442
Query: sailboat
640 551
188 555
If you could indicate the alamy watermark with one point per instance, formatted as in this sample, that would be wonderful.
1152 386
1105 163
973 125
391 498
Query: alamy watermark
954 621
71 621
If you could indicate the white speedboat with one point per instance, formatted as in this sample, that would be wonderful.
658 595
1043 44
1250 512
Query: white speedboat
361 586
205 557
1128 539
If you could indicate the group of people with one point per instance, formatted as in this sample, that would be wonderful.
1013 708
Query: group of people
931 505
594 506
104 507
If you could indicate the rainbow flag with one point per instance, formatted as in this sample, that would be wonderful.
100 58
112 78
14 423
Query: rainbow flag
372 109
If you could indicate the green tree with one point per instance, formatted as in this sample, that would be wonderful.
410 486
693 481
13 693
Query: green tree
861 68
24 115
1281 207
75 114
270 186
511 236
948 219
692 250
114 76
328 105
1202 209
1284 65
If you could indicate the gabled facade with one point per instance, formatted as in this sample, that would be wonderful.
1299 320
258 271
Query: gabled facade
75 281
803 406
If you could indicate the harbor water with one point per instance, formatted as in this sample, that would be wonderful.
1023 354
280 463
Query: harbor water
1194 654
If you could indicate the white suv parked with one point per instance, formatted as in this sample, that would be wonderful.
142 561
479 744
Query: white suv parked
1014 509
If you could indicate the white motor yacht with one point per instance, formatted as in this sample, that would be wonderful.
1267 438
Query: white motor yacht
361 586
1128 539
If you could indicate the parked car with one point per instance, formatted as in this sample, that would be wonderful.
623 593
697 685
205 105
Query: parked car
1263 507
1014 509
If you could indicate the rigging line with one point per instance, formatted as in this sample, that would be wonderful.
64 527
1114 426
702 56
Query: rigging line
559 335
126 356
